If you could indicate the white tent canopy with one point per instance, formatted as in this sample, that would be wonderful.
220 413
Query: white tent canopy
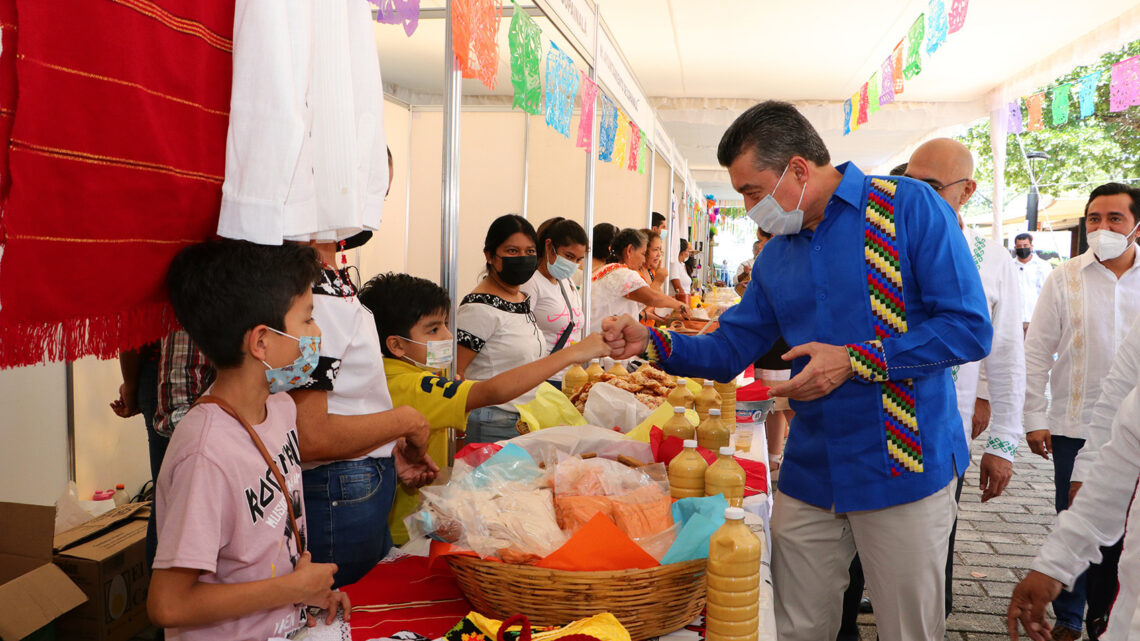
705 61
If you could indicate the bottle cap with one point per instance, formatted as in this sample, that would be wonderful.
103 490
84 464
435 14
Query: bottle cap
708 382
734 513
119 486
690 443
682 381
678 410
727 450
714 412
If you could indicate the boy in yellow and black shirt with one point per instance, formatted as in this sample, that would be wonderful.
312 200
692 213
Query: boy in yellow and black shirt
411 318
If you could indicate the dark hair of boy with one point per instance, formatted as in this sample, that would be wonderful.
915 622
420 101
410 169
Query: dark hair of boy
1112 189
399 301
221 289
603 237
626 238
657 219
503 228
560 232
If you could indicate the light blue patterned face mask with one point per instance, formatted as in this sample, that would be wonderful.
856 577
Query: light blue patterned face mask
297 373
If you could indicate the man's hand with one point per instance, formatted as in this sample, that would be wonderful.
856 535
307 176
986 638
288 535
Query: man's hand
829 367
994 475
414 473
126 405
625 336
1027 605
1074 487
1040 443
981 418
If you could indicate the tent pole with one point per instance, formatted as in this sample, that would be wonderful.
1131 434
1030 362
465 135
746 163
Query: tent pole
449 218
591 159
526 164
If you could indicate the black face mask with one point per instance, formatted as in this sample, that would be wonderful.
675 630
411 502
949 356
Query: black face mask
517 269
1023 252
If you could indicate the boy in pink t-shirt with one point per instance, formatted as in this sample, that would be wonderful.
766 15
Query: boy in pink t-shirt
230 562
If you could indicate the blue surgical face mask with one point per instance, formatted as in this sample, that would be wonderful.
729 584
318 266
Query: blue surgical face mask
773 218
562 267
297 373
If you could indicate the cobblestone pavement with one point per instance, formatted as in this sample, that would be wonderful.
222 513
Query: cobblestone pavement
996 542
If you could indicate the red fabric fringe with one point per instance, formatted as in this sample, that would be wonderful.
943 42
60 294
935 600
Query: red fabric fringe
24 344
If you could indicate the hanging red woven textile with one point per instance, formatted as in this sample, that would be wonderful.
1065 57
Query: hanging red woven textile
116 114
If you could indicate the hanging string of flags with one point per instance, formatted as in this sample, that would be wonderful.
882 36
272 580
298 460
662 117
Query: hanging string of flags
904 62
1123 93
475 28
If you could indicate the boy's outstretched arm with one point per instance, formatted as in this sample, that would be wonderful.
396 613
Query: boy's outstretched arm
515 382
177 599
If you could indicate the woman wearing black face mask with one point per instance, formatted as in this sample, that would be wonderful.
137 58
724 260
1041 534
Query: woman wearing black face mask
496 329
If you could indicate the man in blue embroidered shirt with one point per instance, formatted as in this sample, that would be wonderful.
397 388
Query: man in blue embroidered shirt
873 285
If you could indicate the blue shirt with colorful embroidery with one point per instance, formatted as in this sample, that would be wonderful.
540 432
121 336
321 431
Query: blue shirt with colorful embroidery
860 447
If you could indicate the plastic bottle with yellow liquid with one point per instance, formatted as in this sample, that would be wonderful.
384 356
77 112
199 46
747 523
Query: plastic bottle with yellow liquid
617 369
595 371
706 400
725 476
678 425
727 392
680 396
712 433
574 379
687 473
733 601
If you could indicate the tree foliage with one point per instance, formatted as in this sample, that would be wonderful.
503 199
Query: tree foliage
1083 152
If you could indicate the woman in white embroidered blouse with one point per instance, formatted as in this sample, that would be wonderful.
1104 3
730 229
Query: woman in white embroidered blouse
618 288
496 330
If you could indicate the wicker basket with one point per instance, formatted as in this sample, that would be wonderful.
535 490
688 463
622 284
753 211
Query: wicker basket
648 602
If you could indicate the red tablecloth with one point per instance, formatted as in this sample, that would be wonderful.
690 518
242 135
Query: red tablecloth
407 580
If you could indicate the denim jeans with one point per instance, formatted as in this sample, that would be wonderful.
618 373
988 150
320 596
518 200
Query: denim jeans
1069 607
346 514
490 424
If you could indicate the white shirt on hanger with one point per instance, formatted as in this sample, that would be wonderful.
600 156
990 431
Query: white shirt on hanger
305 152
1081 318
1000 377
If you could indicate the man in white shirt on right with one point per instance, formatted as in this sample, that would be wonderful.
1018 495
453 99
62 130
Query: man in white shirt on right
1085 309
1032 270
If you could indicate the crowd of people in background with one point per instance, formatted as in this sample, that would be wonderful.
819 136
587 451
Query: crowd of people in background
899 334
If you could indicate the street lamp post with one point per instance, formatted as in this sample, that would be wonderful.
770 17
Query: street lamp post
1032 200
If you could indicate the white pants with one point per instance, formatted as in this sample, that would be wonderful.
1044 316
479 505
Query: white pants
903 550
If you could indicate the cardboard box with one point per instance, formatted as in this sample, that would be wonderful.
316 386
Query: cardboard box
33 592
106 559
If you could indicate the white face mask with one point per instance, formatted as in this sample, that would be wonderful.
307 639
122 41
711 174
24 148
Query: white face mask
1107 244
562 267
437 354
773 218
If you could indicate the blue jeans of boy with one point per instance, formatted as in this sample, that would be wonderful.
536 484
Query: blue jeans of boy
490 424
1069 607
346 514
